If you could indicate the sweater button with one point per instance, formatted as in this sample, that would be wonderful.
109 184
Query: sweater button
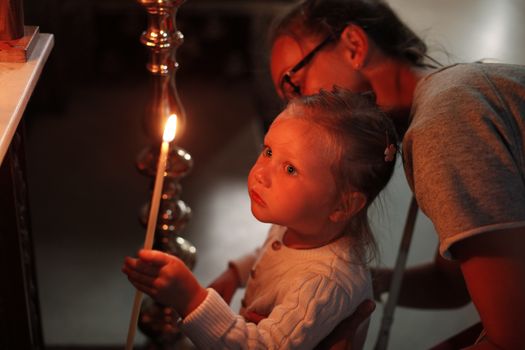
243 303
276 245
252 273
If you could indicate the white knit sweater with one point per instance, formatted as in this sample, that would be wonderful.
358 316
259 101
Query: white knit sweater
302 293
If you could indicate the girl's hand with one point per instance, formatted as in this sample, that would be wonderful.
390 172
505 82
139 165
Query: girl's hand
226 284
166 279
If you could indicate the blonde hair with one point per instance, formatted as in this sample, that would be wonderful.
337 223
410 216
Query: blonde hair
360 132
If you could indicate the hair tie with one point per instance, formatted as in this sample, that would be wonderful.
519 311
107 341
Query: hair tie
390 152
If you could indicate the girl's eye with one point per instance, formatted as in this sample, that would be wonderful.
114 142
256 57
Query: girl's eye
290 169
267 152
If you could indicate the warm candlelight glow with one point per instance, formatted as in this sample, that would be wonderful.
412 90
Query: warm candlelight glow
170 129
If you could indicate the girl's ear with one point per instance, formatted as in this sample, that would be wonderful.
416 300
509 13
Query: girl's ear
355 41
351 204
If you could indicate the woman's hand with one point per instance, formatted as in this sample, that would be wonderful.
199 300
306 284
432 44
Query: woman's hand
166 279
343 337
227 283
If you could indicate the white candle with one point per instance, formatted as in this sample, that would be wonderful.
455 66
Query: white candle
169 135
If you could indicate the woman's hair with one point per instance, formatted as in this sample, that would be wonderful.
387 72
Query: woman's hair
359 133
378 20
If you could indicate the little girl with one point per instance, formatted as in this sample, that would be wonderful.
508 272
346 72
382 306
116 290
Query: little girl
325 158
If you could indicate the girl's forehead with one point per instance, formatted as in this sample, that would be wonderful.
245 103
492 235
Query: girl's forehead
294 115
303 143
292 128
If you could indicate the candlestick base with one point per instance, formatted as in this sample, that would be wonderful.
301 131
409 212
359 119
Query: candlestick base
159 323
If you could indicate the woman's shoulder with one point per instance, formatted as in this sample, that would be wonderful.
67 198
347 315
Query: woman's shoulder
475 75
451 92
445 80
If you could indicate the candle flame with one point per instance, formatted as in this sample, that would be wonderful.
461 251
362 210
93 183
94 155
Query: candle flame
170 128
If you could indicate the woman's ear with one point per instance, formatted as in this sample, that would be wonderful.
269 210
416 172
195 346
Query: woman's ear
355 41
351 204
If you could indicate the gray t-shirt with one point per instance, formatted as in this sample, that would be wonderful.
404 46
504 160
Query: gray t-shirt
464 150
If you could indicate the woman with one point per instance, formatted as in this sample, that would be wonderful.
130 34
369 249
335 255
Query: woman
463 149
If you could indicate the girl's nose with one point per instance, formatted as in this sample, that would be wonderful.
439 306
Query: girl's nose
262 176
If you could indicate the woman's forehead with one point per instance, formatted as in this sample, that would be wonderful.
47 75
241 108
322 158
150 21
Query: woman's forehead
287 51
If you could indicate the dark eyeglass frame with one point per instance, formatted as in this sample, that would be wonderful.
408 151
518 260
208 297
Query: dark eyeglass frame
287 77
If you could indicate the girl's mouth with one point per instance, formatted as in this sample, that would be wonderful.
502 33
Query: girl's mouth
254 196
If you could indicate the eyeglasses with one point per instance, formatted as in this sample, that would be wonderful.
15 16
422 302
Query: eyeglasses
288 87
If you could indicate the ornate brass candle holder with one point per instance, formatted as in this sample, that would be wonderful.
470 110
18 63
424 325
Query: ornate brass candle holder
162 39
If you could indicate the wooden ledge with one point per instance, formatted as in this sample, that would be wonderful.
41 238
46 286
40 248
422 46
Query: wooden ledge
20 49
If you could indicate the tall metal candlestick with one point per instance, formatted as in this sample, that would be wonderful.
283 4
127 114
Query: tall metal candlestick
162 39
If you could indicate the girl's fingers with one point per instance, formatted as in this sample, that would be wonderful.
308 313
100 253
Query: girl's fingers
137 276
154 257
147 268
144 288
142 266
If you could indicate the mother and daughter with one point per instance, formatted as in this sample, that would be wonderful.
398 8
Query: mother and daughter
462 130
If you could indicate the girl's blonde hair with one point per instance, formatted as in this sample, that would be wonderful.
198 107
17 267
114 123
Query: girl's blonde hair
359 133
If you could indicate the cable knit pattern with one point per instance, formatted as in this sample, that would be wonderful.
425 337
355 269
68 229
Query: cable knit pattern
303 294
